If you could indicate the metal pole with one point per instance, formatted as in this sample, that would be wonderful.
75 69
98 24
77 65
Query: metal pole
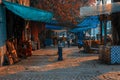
102 1
105 24
100 22
105 32
101 32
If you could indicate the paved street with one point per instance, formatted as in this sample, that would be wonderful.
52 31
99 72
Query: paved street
43 65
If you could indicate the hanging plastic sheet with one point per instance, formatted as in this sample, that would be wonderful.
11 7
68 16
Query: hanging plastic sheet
29 13
100 9
88 21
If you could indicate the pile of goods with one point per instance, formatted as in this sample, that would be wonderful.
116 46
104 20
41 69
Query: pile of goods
14 53
104 54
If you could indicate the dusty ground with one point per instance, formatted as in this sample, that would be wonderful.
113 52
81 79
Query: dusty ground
43 65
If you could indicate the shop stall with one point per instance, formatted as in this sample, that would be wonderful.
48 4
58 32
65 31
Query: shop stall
90 45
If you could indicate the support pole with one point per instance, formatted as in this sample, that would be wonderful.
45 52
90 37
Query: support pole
101 32
105 32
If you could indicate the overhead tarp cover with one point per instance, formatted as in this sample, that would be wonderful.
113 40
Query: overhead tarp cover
29 13
78 29
87 23
52 27
100 9
53 22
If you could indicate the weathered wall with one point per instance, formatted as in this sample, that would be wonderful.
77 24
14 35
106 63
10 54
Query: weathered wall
2 26
116 26
36 28
2 32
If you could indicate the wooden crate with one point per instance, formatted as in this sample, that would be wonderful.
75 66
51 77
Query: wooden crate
104 54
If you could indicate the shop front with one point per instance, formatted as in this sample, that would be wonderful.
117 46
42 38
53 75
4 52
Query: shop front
16 34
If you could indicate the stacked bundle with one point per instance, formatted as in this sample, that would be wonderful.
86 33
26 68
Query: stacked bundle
104 54
11 56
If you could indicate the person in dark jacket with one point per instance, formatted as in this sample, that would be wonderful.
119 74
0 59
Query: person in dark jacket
60 46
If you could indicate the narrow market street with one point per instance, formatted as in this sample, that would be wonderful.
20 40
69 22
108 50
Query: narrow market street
59 40
43 65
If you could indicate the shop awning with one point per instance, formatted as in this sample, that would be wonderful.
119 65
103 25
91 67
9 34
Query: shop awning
29 13
52 27
53 22
78 29
89 21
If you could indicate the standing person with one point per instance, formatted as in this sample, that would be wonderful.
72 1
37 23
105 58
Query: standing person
80 44
39 42
60 46
68 40
32 41
42 39
63 40
55 40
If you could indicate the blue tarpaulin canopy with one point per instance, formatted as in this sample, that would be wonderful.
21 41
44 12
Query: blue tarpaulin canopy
53 22
29 13
87 23
79 29
91 20
52 27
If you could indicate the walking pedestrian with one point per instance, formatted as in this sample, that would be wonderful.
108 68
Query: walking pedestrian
68 40
63 40
60 46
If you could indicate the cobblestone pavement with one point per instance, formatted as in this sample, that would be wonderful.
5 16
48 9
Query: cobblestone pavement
43 65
